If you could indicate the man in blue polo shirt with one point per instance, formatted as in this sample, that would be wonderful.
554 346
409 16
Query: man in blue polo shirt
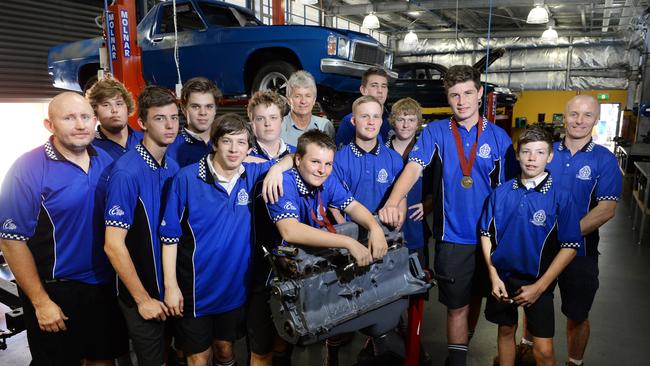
206 230
535 231
302 209
133 207
51 237
265 114
199 101
472 153
590 172
113 104
365 167
374 82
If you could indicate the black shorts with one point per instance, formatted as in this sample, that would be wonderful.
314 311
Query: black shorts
195 335
578 285
95 326
540 316
148 336
459 261
259 324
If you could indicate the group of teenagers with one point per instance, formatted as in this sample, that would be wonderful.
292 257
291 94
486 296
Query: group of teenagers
114 234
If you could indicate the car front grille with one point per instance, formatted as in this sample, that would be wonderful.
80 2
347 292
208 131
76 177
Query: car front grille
367 54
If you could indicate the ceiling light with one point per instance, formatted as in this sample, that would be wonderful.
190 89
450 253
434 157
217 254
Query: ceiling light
309 2
370 21
414 13
549 35
537 15
411 39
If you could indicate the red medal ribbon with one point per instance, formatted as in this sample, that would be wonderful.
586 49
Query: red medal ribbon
325 222
465 165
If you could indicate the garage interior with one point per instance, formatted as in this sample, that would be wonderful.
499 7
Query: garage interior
594 47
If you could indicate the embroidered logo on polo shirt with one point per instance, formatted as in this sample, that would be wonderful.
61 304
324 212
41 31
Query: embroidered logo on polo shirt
539 218
9 225
484 151
289 206
242 197
584 173
382 176
116 211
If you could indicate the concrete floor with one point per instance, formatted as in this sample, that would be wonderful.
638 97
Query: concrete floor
620 318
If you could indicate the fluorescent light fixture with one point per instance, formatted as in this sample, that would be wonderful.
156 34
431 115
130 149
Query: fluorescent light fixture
537 15
308 2
549 35
411 39
414 13
370 21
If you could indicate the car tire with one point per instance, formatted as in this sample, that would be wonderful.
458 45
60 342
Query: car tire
273 76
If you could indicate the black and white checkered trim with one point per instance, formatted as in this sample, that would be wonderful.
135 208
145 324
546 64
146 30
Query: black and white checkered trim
50 152
347 202
168 240
515 184
117 224
286 215
608 198
587 148
590 146
146 156
485 233
302 187
98 135
10 236
203 169
419 161
547 186
484 123
358 153
571 245
187 137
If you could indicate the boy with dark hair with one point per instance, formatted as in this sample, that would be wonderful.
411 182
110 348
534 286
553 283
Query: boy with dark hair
199 100
535 232
301 210
472 155
206 232
265 109
374 82
113 104
133 207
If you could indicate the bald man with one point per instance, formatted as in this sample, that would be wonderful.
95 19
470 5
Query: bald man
51 209
590 172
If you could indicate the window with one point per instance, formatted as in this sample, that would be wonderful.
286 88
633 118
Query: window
226 17
186 19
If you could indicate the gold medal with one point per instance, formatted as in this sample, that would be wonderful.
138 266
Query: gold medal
467 181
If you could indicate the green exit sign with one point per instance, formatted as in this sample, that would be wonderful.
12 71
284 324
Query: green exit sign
603 96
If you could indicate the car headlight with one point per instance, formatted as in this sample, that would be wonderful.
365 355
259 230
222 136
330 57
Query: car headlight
331 45
343 50
388 60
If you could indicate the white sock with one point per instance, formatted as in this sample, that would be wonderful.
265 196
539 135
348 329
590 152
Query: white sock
526 342
575 362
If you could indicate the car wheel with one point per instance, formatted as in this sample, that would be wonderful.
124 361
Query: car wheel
273 76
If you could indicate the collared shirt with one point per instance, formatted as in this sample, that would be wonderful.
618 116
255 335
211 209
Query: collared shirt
291 132
416 233
114 149
259 152
368 175
346 132
134 202
461 207
591 175
188 148
213 232
56 207
529 226
224 182
299 201
534 182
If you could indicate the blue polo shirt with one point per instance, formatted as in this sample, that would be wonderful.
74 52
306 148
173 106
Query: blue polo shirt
461 207
114 149
56 207
591 175
346 131
529 226
213 231
368 175
134 203
258 152
300 200
416 233
187 149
